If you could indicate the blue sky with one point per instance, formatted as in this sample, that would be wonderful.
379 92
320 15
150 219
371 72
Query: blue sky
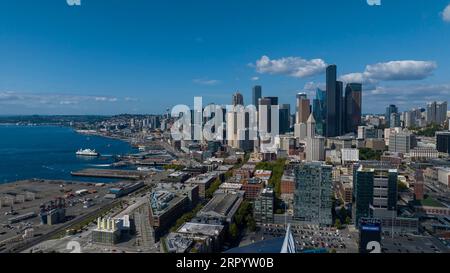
142 56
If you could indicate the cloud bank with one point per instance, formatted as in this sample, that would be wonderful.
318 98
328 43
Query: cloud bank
296 67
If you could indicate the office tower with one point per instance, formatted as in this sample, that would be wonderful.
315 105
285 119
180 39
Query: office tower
232 129
285 112
409 119
389 111
352 106
394 121
238 99
311 127
256 95
265 114
315 149
401 142
333 102
441 112
443 142
313 193
238 131
320 111
303 108
263 207
436 112
273 100
375 191
267 103
300 131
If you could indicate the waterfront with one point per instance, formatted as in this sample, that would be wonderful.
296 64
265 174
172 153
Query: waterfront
48 152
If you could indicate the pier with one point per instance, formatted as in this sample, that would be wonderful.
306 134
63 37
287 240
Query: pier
115 174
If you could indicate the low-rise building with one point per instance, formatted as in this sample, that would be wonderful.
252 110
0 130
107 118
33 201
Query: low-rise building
252 187
222 207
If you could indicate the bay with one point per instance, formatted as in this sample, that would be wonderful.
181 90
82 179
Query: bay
48 152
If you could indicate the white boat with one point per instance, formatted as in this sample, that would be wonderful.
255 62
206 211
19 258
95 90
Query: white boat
87 152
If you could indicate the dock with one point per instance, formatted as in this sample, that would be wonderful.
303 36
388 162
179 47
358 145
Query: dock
110 173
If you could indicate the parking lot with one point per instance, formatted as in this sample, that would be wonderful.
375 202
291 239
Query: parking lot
309 237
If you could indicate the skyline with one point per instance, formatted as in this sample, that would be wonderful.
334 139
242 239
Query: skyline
145 57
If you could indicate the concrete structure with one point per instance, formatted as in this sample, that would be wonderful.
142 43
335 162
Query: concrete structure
401 142
423 153
315 149
350 155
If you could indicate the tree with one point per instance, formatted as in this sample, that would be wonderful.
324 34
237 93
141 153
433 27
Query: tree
234 231
348 220
337 224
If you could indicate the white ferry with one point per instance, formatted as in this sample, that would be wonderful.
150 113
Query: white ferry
87 152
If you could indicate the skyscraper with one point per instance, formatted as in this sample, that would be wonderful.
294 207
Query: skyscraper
394 121
238 99
352 106
313 193
389 111
436 112
267 102
320 111
285 112
303 108
256 95
334 100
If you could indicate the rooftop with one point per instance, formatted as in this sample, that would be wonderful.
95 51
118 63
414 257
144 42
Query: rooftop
201 229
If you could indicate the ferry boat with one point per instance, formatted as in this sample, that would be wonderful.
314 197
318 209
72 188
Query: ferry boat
87 152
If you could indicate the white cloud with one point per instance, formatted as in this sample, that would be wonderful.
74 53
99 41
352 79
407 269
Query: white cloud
408 96
312 86
16 98
446 14
392 71
292 66
400 70
255 79
206 82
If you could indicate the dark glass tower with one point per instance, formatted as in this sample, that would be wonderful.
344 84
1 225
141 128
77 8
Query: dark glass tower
285 112
352 107
238 99
256 95
334 100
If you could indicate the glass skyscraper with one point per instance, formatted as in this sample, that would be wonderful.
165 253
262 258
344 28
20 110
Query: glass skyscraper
334 103
320 111
313 193
352 107
256 95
